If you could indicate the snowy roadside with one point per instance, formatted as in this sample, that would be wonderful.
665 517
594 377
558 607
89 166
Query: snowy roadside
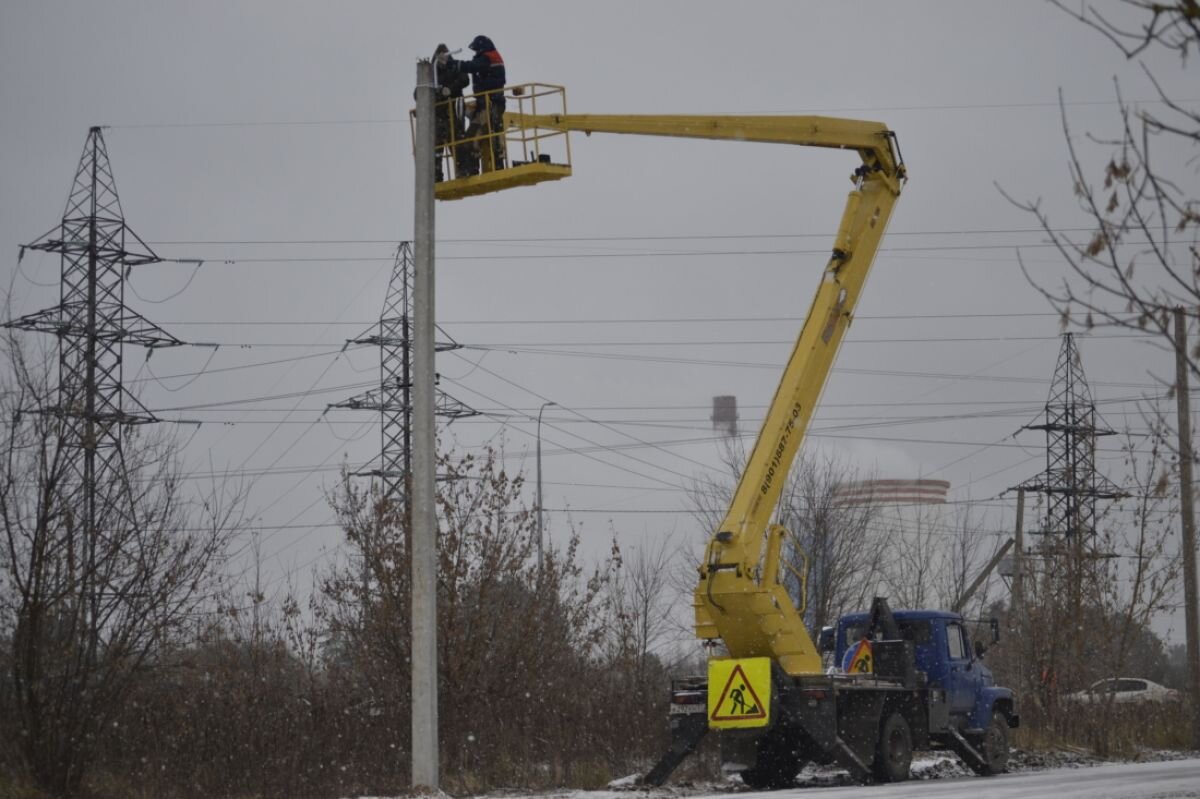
926 766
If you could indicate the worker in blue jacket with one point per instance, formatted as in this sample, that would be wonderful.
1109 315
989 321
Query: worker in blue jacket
487 81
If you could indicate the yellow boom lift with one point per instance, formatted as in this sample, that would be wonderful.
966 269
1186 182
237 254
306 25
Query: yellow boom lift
740 598
770 693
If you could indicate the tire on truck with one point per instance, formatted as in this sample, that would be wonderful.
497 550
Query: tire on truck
893 750
776 763
993 745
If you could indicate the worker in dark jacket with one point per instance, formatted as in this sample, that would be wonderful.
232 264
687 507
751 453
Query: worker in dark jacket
487 81
449 121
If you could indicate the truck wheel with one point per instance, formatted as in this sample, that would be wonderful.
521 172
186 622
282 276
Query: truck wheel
994 746
893 752
775 766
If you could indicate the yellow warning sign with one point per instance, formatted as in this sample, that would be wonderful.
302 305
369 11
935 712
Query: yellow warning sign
739 692
860 660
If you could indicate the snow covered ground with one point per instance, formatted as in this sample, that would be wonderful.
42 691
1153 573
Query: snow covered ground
1176 779
1160 774
1067 777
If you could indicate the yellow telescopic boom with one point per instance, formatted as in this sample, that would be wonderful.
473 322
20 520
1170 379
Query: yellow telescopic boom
739 598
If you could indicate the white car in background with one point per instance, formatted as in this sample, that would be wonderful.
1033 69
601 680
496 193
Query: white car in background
1125 690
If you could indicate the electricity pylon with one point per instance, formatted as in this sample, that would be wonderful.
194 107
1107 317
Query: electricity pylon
1070 482
93 409
393 397
93 324
1071 485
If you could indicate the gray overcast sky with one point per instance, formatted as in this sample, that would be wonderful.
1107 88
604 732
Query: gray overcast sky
250 130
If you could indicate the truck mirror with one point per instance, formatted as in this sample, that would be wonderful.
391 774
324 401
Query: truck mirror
980 648
825 640
994 623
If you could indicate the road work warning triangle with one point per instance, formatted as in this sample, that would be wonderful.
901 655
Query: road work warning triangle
859 658
739 692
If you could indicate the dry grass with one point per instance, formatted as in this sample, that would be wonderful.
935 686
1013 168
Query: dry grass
1116 731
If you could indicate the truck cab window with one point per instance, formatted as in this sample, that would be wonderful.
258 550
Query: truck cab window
954 642
919 632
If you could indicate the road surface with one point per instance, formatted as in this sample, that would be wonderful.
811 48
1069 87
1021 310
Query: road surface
1175 779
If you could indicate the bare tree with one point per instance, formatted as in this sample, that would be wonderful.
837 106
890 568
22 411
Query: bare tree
1123 576
914 549
710 495
88 608
1137 188
1140 259
839 542
967 548
521 696
1136 570
640 600
834 556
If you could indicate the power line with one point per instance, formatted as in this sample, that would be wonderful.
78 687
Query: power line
695 423
705 320
492 257
278 426
240 367
223 404
608 238
773 366
404 121
524 413
595 446
625 321
780 342
724 342
624 254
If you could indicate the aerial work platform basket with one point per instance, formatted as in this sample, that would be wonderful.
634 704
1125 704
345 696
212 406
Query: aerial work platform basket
482 144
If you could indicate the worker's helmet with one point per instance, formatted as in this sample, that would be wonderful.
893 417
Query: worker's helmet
481 44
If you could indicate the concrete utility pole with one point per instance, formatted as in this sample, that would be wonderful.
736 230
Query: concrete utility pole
1018 577
424 513
966 595
1187 513
1016 610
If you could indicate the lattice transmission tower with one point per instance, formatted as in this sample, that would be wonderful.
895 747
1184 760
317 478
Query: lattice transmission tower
93 324
1070 482
393 398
